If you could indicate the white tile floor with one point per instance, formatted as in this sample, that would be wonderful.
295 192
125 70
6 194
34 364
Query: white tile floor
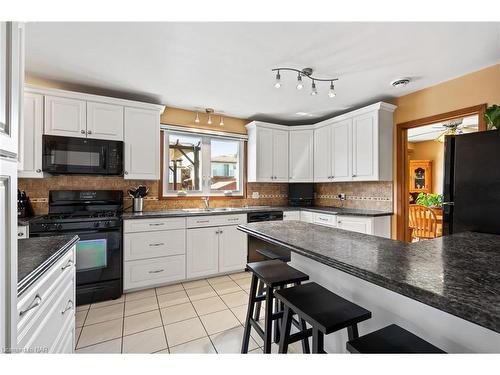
203 316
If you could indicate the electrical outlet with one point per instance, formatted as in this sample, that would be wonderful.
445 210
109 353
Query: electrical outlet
342 196
255 195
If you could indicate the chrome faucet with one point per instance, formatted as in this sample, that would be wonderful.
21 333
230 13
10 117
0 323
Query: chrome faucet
206 201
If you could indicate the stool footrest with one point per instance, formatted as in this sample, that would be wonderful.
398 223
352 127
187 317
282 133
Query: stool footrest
300 335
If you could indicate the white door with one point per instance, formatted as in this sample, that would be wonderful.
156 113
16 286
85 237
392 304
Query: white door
322 154
33 131
142 144
105 121
65 117
280 155
355 224
202 252
232 249
364 147
341 151
301 155
264 155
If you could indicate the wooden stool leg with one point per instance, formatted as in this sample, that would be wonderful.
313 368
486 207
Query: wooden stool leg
318 342
260 289
278 306
268 324
305 342
285 330
251 305
352 332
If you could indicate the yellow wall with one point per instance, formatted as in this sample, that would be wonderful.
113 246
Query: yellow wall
430 150
469 90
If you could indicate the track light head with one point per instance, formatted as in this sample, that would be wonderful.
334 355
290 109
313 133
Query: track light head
331 92
313 89
197 118
277 82
300 85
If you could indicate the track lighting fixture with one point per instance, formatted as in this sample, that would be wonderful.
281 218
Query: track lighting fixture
306 72
210 113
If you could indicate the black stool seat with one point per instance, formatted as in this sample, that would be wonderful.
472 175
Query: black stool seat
269 254
322 308
275 273
391 340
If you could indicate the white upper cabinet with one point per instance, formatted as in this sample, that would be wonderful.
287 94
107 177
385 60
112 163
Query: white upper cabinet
65 117
322 154
32 136
267 152
105 121
341 133
142 144
301 155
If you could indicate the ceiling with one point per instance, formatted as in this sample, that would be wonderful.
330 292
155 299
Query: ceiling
227 66
433 131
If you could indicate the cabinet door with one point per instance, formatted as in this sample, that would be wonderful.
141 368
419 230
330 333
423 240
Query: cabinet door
105 121
264 155
65 117
341 151
356 224
202 252
142 144
365 164
280 155
33 131
232 249
322 154
301 155
291 215
306 216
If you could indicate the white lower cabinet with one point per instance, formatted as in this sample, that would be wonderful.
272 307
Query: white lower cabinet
202 252
291 215
356 224
306 216
46 311
377 226
146 273
232 249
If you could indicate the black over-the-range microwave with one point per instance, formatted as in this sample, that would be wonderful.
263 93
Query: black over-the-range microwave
70 155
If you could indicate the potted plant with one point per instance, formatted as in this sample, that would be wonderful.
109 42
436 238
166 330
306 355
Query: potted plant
492 117
430 200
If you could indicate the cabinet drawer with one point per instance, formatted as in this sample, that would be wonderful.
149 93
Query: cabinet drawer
148 225
149 272
144 245
306 216
356 224
215 220
38 294
44 330
325 219
291 215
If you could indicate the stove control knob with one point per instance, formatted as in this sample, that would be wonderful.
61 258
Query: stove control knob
97 224
107 223
58 226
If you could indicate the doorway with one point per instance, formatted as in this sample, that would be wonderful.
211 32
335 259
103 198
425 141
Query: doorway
420 168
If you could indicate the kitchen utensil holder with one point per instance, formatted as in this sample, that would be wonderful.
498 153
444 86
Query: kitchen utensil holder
138 204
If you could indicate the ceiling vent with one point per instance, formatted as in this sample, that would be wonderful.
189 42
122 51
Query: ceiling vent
400 82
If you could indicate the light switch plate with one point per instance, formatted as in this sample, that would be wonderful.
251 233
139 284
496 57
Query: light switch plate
255 195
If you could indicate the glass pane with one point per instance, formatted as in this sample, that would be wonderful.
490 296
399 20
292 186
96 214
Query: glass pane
224 165
184 163
91 254
77 158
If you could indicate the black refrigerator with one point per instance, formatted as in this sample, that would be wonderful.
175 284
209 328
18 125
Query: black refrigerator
472 183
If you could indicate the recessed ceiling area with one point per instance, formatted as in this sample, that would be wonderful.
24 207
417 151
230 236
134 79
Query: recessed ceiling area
433 131
228 65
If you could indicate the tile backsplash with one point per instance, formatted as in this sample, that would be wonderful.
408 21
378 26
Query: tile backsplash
366 195
270 194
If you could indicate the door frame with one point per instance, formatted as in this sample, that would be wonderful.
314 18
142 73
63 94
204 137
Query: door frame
401 183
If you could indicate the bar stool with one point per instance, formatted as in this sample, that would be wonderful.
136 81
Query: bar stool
268 255
325 311
391 340
274 274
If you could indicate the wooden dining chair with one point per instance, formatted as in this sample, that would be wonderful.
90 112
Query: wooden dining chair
423 222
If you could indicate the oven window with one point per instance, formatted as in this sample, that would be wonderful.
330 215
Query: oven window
77 158
91 254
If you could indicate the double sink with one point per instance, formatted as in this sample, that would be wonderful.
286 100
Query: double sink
221 209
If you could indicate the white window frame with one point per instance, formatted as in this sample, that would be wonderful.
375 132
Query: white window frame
206 168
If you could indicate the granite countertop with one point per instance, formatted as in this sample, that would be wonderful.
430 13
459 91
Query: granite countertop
458 274
240 210
36 255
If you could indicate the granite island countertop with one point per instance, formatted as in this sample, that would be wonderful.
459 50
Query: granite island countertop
458 274
36 255
243 210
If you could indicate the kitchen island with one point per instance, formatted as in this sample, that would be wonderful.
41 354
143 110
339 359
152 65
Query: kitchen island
446 290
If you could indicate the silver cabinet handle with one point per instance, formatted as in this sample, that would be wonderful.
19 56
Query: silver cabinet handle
89 131
69 264
322 219
339 222
82 131
157 244
126 172
156 224
221 231
20 234
38 171
35 303
157 271
69 306
234 219
202 221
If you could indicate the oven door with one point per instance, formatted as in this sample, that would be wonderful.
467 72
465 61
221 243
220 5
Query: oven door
69 155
